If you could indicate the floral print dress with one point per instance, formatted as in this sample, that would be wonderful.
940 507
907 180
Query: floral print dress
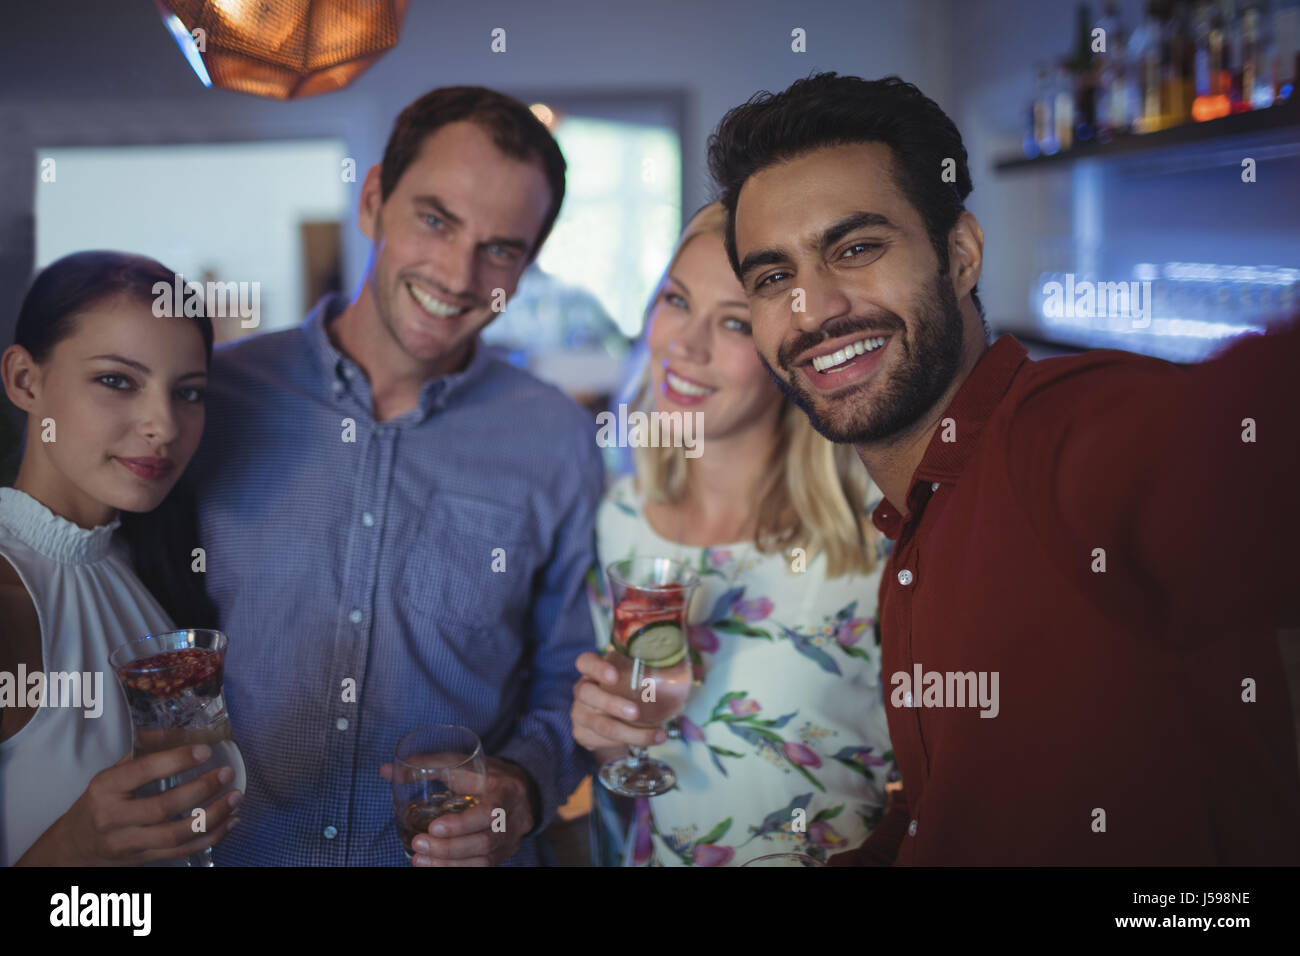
783 746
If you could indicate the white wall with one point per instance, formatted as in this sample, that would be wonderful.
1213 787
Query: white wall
233 209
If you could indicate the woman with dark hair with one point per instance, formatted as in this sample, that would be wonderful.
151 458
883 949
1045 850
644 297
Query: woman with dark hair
97 535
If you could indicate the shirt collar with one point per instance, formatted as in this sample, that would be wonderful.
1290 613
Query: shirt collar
970 409
341 373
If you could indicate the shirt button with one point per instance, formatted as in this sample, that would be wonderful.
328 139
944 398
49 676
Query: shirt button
368 520
911 828
907 699
332 832
347 372
904 577
341 723
337 386
355 616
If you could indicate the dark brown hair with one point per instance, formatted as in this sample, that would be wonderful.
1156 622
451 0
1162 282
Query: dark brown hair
831 110
159 541
513 127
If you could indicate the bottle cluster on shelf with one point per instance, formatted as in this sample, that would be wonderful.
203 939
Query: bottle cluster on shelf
1185 62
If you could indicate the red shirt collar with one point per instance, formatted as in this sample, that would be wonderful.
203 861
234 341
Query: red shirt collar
970 409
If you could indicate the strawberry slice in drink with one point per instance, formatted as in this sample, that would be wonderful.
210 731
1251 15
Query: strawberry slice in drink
639 609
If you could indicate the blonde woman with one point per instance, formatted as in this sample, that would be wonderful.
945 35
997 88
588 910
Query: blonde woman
783 746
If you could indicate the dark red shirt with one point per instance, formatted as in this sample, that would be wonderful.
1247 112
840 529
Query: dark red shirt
1142 712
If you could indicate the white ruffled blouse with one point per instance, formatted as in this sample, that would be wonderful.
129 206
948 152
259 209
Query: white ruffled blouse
88 601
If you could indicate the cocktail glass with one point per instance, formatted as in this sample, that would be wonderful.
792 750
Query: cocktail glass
651 598
173 689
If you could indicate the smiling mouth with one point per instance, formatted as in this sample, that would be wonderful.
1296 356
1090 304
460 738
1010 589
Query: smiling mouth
434 306
685 386
843 358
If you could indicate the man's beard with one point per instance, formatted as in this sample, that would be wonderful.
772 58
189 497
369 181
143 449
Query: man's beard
924 369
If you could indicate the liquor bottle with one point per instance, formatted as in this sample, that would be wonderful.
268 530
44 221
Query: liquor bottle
1029 142
1261 96
1133 80
1063 106
1219 30
1286 37
1112 83
1251 59
1211 90
1084 79
1144 63
1232 23
1041 136
1177 83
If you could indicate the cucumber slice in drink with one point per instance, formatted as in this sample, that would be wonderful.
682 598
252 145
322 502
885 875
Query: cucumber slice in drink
661 644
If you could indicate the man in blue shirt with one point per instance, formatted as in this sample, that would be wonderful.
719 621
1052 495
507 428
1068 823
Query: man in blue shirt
397 525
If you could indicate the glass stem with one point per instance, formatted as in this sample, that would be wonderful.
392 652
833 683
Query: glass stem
635 755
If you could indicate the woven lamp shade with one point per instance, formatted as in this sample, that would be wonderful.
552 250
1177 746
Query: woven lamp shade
285 49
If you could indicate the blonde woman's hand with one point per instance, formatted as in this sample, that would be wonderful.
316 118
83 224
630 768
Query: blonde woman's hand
600 716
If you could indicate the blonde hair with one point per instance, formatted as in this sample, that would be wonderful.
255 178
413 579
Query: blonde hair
816 492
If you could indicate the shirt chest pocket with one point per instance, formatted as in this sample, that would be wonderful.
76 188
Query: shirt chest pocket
470 562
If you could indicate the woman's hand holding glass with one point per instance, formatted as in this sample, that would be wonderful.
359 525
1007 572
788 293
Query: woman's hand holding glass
601 717
109 826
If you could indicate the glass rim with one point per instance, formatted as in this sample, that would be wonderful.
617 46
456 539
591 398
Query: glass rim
117 662
690 578
401 761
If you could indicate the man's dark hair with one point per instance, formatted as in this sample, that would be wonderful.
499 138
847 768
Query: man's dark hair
831 110
513 128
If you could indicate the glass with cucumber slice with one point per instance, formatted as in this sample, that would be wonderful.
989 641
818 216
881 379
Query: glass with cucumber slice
661 644
648 650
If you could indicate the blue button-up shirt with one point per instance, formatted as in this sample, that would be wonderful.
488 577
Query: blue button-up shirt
374 577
